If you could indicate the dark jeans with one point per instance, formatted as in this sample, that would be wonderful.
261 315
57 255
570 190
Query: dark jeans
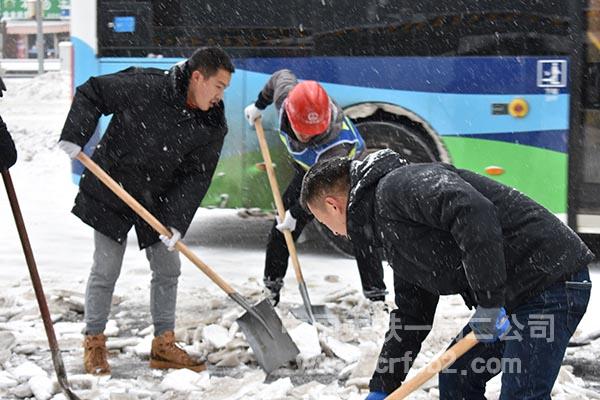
531 354
276 263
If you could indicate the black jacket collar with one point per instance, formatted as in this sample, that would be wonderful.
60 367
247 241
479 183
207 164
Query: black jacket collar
176 90
176 86
364 177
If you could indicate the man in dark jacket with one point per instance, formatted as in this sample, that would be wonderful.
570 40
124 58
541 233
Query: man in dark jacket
313 128
8 153
451 231
162 145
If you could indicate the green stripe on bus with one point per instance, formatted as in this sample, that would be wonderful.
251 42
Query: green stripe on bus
539 173
239 183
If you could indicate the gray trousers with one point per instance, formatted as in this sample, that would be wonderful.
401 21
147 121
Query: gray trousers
108 258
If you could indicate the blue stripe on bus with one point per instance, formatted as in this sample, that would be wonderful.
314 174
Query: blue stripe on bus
475 75
551 140
468 113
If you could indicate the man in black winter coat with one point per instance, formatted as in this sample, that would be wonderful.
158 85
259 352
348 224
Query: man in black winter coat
8 153
451 231
162 145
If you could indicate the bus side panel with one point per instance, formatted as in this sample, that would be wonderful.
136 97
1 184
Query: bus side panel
462 99
456 96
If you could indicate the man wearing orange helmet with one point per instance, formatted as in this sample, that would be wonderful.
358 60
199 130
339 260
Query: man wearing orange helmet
313 128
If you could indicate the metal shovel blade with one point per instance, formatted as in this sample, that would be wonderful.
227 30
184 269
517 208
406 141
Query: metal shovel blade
271 352
310 313
307 304
61 376
321 314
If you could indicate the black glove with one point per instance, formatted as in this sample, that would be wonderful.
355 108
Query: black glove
489 324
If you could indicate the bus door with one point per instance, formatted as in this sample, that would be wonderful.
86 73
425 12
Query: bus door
588 176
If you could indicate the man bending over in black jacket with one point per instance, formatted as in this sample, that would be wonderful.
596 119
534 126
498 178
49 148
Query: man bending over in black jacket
450 231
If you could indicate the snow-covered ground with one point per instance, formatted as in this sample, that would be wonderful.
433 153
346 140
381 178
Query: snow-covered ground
336 362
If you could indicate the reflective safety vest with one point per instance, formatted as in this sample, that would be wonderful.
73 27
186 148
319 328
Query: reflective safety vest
310 156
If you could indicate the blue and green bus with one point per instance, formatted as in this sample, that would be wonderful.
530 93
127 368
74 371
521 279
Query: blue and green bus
506 88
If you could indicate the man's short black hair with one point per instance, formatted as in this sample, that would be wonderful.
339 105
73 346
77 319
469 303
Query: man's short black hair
330 177
208 60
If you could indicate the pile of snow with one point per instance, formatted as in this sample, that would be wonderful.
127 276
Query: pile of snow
48 87
345 354
35 110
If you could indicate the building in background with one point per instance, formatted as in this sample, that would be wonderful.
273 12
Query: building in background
18 27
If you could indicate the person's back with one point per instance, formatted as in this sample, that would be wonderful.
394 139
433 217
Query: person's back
537 247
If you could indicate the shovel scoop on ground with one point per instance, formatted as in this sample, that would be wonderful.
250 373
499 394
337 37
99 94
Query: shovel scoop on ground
272 345
264 331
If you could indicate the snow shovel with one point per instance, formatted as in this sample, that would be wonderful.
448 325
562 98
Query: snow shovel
434 367
271 343
57 361
309 312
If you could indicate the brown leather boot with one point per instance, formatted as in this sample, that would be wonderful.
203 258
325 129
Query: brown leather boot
165 354
95 355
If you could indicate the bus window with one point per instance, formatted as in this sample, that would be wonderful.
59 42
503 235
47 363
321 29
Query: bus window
177 27
338 28
434 28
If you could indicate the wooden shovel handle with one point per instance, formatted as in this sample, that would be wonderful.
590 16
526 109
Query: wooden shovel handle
151 220
434 367
289 240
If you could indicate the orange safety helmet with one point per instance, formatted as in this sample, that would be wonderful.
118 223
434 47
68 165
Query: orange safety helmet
308 108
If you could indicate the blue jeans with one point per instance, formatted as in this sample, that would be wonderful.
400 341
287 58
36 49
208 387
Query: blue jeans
531 354
108 258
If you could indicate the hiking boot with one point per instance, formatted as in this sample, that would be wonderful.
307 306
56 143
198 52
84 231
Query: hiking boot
95 355
166 354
